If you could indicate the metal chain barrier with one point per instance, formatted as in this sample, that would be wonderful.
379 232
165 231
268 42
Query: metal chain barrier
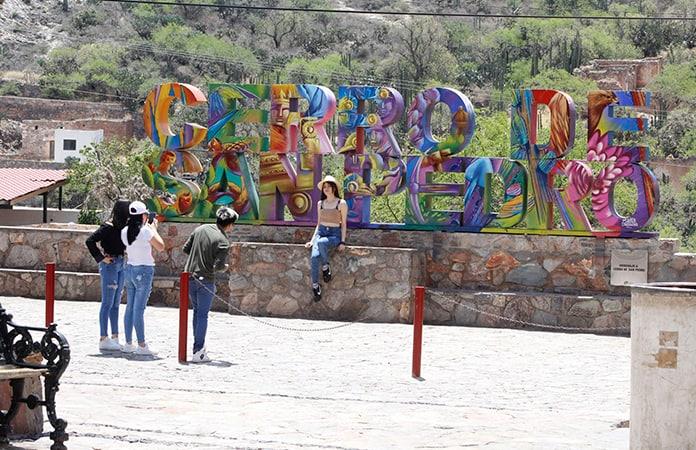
273 325
437 294
522 322
56 255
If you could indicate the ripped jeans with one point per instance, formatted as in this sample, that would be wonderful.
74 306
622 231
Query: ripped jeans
138 288
112 279
325 239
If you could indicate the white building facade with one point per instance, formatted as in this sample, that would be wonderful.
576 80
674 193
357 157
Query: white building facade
69 143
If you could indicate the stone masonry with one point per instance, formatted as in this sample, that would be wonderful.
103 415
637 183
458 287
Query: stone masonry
546 280
600 313
273 280
28 108
41 117
622 74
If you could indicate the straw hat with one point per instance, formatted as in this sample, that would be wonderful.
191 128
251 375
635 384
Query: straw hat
327 179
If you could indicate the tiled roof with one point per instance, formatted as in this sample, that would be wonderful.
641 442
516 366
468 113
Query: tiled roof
18 183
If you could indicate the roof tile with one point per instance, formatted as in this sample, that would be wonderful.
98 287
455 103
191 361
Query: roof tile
18 182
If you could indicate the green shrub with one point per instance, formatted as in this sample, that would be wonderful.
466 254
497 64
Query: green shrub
85 19
10 88
88 217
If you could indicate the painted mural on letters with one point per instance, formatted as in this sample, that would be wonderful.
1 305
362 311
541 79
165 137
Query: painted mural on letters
290 155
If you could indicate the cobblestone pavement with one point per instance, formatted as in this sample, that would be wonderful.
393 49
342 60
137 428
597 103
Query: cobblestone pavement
343 389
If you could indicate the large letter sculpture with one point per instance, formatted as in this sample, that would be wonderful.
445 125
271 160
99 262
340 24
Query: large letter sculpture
174 195
288 175
546 161
621 162
283 127
437 157
368 145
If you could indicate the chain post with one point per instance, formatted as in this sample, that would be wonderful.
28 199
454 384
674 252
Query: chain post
183 314
419 301
50 291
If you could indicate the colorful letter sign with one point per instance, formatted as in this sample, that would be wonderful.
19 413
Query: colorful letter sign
266 145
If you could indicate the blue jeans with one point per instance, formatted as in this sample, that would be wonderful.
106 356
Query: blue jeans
112 279
201 294
138 288
326 239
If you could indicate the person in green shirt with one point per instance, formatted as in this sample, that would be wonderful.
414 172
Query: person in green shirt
207 250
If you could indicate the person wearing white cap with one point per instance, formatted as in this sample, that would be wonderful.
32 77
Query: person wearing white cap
329 233
140 236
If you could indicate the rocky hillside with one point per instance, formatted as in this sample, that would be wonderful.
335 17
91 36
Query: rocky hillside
29 29
10 137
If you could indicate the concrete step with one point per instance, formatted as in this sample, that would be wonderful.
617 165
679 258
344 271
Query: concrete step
600 314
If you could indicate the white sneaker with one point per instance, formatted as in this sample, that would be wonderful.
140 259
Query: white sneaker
144 350
201 356
129 348
109 345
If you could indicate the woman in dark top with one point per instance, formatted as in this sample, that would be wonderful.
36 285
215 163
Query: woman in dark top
111 270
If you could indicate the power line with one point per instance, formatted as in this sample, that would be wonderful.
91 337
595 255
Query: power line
403 13
67 89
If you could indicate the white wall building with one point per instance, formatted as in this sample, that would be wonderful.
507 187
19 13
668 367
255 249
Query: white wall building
68 143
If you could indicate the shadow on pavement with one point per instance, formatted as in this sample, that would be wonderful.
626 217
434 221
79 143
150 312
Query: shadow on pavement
212 363
128 356
134 357
105 355
219 363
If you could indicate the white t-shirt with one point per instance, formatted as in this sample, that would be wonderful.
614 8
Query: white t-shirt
140 251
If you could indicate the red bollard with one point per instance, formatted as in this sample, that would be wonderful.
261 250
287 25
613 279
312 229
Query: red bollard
183 314
50 291
417 330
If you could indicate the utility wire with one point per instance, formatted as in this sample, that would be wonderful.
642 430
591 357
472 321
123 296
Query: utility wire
67 89
402 13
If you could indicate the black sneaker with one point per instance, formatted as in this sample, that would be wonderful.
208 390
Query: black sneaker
327 274
317 293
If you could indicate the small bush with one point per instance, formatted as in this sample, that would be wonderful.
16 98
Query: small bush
85 19
10 88
88 217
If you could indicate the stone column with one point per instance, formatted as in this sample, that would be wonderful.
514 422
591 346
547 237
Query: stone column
663 366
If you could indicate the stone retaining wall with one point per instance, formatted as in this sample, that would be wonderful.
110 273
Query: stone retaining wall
601 313
27 108
369 283
269 272
562 264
